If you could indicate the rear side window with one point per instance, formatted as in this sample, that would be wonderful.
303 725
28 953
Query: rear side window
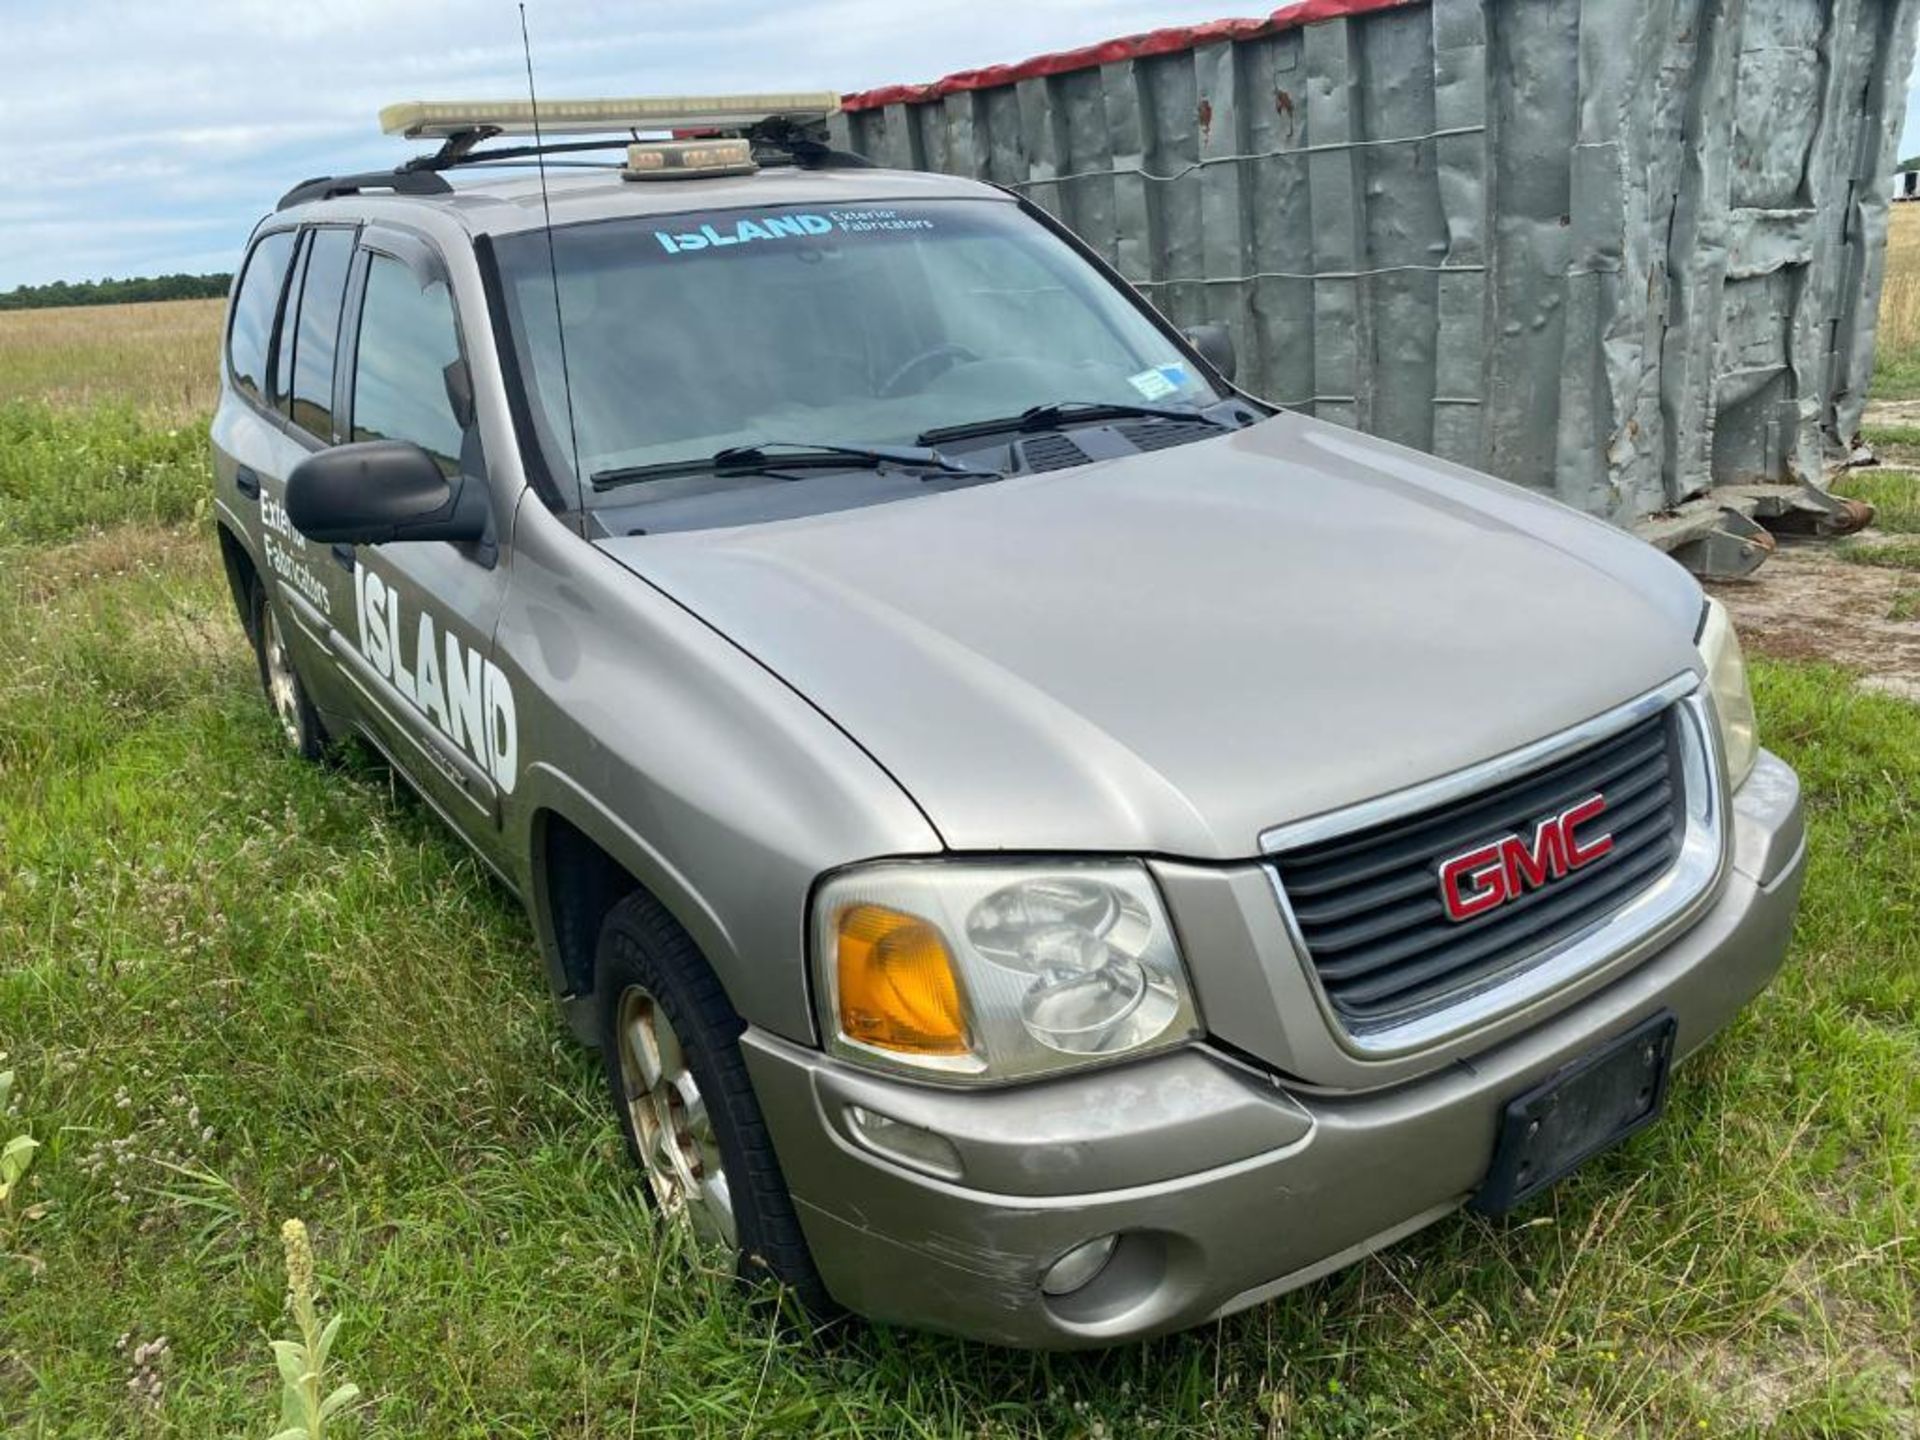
322 292
407 340
254 307
280 377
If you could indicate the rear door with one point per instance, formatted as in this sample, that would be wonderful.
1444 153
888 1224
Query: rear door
252 450
301 392
412 623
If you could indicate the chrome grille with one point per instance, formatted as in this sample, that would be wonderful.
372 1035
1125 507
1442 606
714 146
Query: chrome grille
1368 907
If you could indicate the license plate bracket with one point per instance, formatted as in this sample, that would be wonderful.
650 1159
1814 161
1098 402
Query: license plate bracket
1590 1106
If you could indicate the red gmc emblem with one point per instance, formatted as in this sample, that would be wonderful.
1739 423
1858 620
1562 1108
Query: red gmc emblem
1488 876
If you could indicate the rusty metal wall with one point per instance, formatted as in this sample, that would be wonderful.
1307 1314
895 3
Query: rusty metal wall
1617 249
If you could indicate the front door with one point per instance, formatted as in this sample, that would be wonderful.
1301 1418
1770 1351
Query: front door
412 623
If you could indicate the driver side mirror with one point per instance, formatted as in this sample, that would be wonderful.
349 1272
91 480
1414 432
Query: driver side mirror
1215 343
378 491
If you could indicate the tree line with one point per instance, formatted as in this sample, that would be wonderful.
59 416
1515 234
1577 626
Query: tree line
114 292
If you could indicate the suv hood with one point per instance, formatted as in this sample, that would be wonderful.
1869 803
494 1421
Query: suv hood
1174 652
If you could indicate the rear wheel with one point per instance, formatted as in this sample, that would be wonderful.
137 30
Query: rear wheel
670 1044
299 722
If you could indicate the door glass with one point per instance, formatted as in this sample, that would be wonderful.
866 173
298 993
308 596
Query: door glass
407 339
281 375
329 256
254 307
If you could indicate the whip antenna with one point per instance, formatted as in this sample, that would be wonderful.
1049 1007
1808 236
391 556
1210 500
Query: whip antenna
553 271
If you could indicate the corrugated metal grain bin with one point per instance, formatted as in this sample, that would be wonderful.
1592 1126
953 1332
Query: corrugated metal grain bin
1618 249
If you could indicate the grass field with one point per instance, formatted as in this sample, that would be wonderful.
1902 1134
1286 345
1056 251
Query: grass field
159 357
237 989
1896 371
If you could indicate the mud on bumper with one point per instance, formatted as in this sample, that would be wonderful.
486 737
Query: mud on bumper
1225 1187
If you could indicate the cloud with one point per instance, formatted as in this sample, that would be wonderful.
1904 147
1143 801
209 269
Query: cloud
149 138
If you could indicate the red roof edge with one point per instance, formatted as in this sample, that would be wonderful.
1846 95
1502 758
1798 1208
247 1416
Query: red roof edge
1108 52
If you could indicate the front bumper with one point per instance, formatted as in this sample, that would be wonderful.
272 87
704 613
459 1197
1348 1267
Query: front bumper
1226 1186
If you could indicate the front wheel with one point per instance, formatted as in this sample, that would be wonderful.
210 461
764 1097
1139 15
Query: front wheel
670 1044
299 721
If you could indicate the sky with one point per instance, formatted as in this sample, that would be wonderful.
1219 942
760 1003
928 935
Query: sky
147 138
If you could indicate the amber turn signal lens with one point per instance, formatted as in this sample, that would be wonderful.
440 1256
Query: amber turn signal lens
897 990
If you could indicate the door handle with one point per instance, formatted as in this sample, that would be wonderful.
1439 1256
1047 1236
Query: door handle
247 482
343 557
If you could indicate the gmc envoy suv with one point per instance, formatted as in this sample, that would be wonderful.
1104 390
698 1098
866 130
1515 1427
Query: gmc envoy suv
1049 847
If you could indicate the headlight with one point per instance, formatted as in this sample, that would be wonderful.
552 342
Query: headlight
1732 700
983 972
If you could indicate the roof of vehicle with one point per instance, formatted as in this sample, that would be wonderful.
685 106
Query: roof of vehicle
509 205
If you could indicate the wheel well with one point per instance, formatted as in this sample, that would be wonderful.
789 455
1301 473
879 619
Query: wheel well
581 882
241 577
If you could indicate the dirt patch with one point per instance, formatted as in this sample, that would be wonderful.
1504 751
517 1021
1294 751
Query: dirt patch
1806 603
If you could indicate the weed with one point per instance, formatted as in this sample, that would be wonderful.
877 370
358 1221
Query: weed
16 1159
304 1412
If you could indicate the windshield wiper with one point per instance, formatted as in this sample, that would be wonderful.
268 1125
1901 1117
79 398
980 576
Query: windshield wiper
1064 412
773 455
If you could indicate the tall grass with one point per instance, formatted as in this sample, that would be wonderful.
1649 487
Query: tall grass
1896 371
160 358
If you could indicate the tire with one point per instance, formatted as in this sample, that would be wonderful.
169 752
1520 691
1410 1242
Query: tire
286 694
652 982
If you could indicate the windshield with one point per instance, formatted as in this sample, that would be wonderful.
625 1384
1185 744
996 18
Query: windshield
689 334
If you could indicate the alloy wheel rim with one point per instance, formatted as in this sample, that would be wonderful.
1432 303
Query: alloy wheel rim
672 1128
282 689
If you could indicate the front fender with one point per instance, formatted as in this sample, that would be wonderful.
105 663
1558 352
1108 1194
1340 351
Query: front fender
707 778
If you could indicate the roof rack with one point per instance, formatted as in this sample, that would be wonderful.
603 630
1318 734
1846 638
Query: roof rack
404 181
783 129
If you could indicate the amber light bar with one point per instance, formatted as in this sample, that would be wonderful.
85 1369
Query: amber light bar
439 119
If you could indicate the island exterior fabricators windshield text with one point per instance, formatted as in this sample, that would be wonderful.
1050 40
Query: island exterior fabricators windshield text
749 229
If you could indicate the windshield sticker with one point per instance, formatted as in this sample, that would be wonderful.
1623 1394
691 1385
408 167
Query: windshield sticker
1160 382
744 231
749 229
860 222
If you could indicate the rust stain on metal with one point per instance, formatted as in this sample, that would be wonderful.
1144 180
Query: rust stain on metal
1206 117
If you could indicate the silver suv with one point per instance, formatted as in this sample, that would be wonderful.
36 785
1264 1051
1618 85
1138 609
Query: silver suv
1049 847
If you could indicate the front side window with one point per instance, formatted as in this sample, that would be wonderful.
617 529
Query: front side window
847 324
322 292
255 304
408 339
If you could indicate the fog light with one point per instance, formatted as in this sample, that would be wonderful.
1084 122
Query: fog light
909 1144
1076 1269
